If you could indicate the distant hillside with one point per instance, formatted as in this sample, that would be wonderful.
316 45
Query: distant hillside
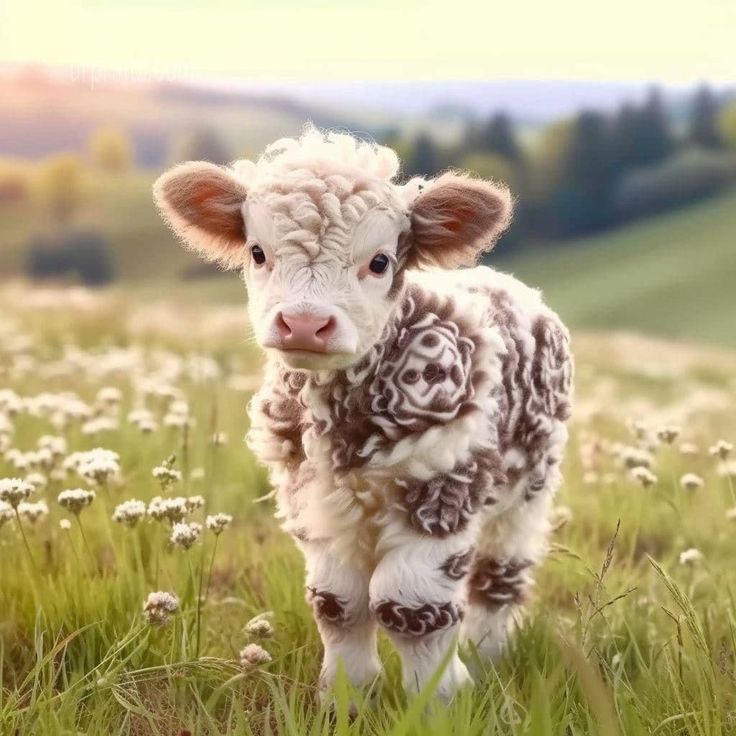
42 115
673 275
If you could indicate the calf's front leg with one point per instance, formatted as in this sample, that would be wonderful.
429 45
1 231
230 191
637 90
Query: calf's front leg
338 595
417 593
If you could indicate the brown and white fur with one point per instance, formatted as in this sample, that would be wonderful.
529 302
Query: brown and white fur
416 453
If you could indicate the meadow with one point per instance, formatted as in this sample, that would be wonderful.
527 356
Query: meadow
632 628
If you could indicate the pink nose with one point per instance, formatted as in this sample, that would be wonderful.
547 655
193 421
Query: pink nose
301 331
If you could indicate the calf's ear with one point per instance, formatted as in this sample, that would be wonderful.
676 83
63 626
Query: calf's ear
203 204
455 219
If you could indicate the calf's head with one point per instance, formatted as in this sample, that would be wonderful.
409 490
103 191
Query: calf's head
324 235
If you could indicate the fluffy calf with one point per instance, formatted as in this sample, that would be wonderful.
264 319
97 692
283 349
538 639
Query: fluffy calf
412 415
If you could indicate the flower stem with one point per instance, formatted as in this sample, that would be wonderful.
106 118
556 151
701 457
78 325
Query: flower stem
25 542
198 603
86 544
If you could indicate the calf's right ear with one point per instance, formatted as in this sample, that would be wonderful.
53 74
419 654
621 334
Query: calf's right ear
203 204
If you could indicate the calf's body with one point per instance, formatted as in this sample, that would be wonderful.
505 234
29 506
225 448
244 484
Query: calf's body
418 481
412 415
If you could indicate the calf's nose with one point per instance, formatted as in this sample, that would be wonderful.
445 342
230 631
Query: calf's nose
301 331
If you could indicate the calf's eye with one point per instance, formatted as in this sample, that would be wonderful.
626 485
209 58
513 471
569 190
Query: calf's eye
379 263
259 257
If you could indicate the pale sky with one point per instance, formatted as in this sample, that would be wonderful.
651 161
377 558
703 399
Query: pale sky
670 41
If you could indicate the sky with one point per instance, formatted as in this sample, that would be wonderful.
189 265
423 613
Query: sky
668 41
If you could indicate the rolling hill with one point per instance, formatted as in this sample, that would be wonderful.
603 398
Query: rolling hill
673 275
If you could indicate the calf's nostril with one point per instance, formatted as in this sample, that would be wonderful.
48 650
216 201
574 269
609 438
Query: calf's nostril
282 326
327 329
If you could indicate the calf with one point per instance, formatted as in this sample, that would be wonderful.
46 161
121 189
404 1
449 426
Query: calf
412 414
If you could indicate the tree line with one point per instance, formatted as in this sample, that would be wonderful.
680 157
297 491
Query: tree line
596 170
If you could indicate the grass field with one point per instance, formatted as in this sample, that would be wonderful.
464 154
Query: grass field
624 636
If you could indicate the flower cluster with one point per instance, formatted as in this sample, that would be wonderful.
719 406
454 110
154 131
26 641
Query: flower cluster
159 607
76 499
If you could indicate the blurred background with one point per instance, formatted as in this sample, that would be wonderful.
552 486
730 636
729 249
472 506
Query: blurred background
615 127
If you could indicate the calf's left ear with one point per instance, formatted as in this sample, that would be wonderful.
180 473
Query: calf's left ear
203 205
455 219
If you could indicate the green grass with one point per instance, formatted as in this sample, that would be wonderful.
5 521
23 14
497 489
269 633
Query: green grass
619 639
673 275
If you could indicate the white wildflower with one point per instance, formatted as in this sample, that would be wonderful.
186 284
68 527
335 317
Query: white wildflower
731 514
55 445
37 480
10 403
109 396
159 607
721 449
668 434
129 512
259 627
636 457
217 523
6 512
689 449
166 475
644 476
727 469
65 525
691 482
14 490
253 655
76 499
691 556
186 535
99 470
591 478
168 509
193 503
33 511
98 425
